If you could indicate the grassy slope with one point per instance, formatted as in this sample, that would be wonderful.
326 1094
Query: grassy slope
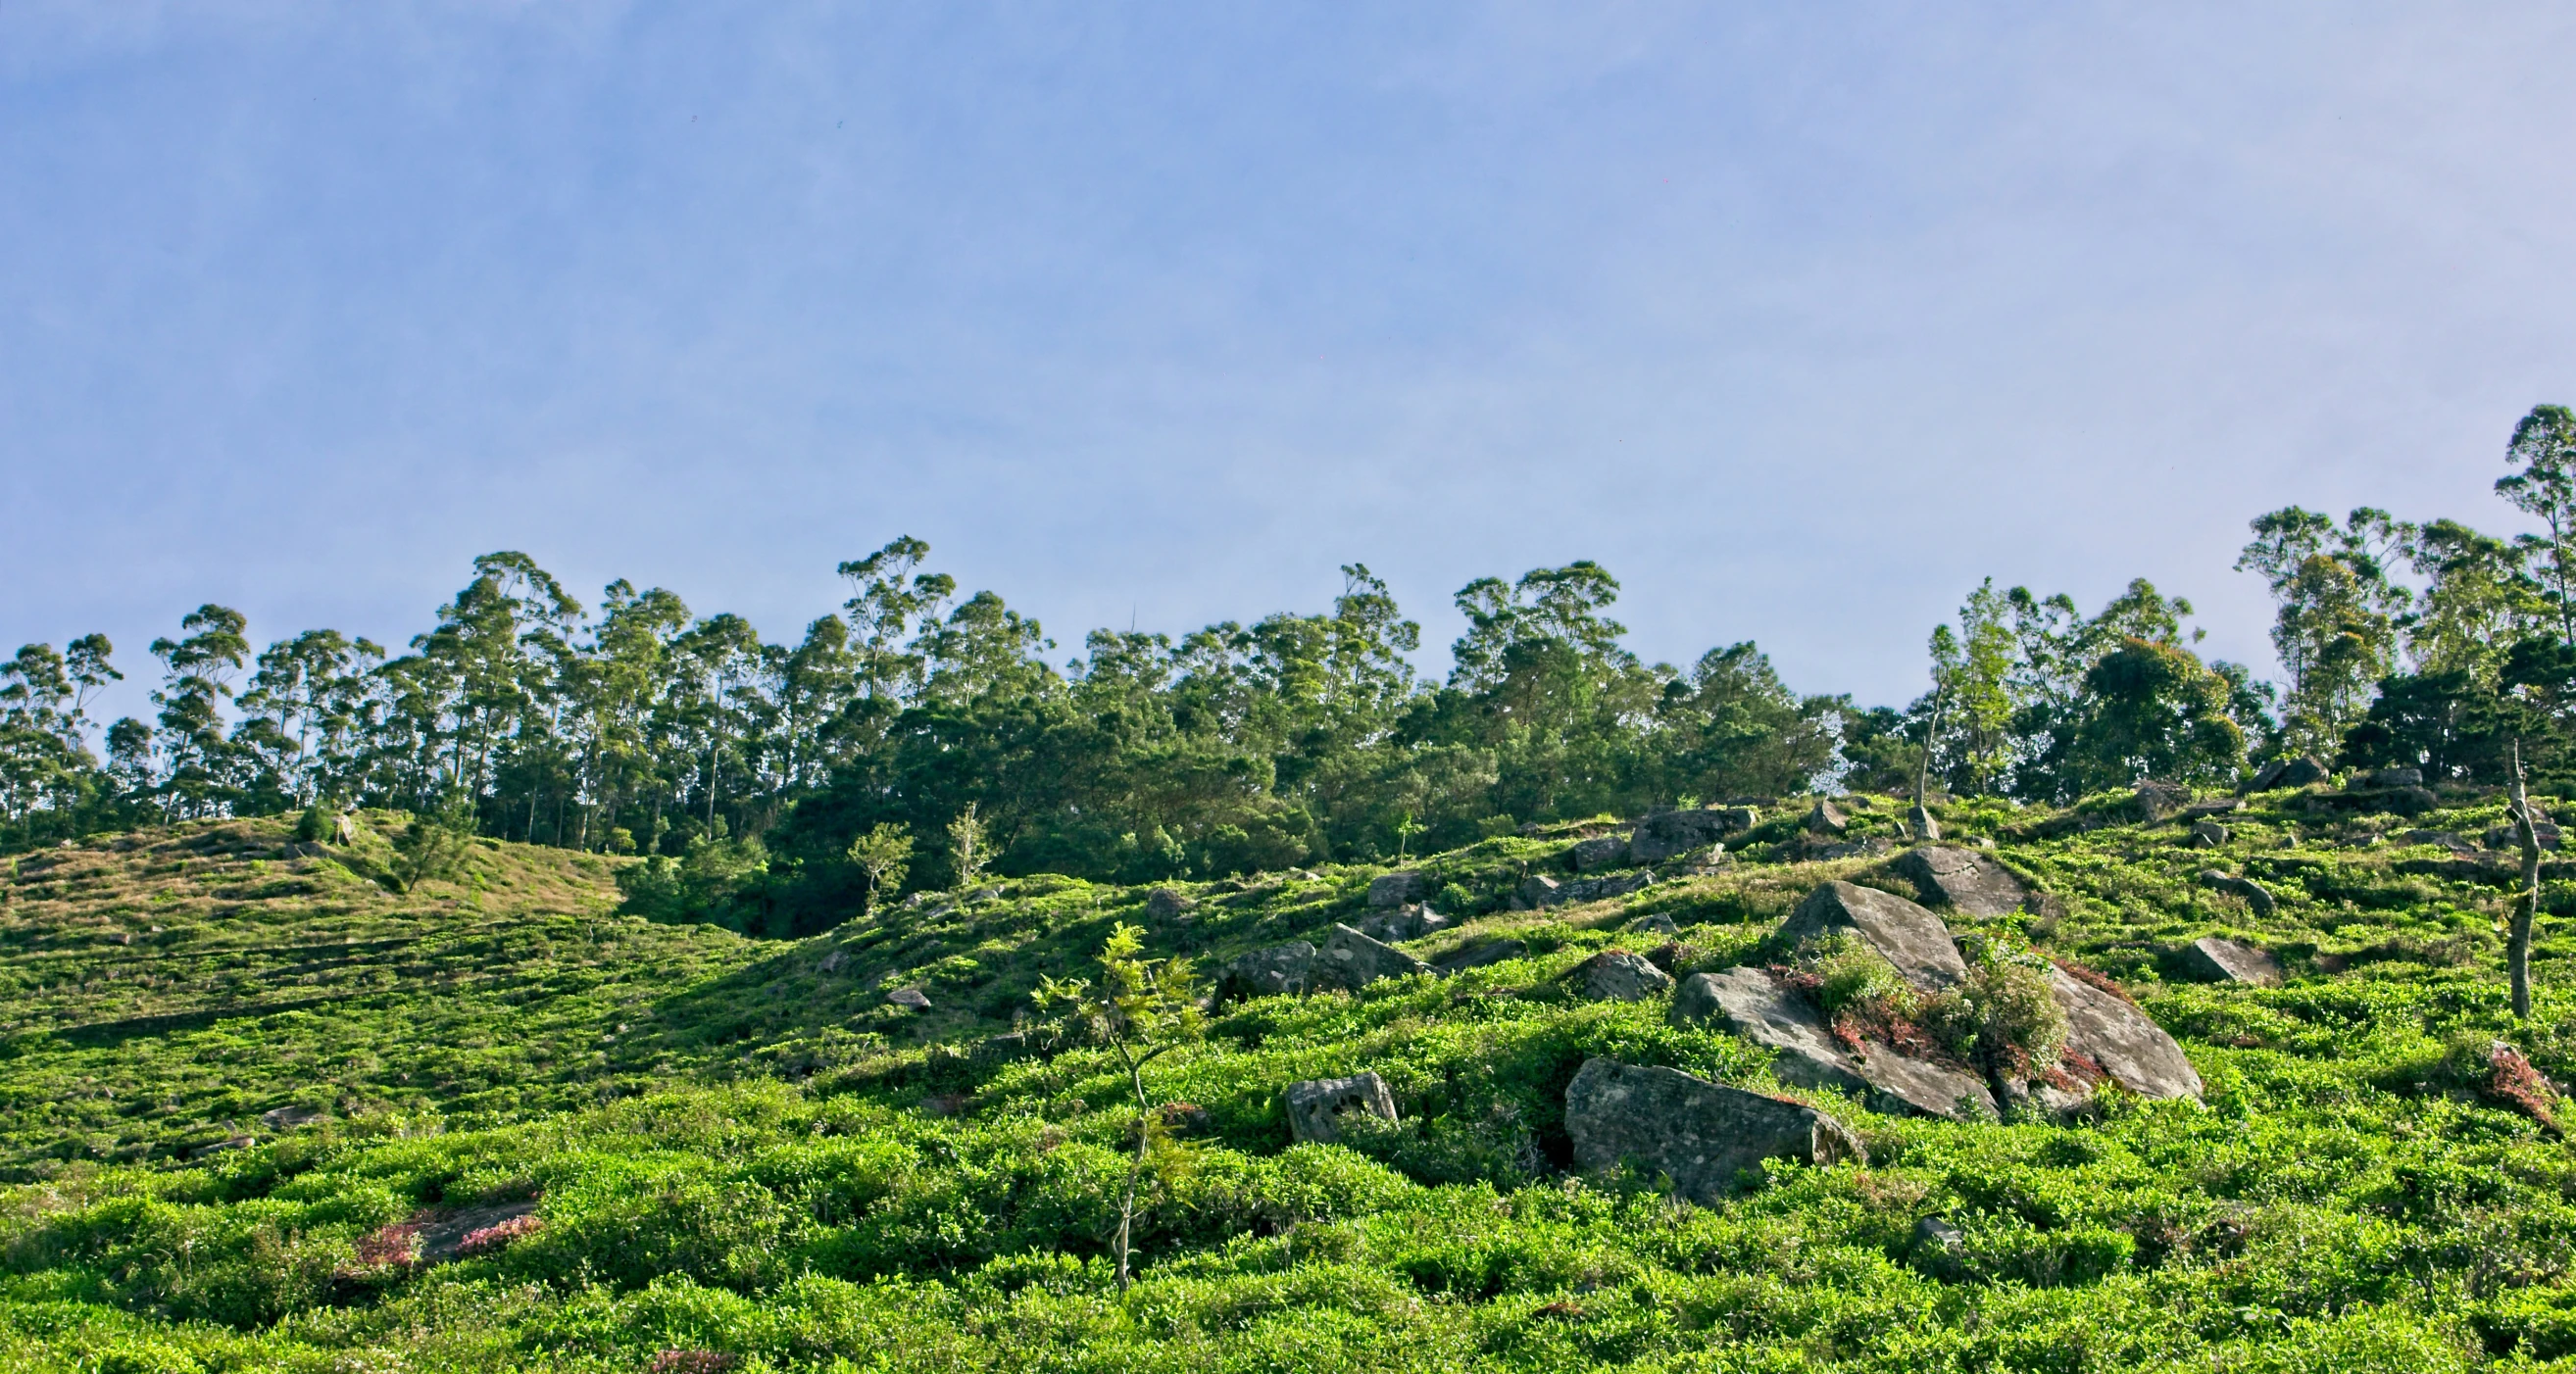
817 1177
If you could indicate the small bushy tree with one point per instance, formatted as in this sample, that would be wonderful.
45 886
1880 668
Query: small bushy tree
885 855
1141 1009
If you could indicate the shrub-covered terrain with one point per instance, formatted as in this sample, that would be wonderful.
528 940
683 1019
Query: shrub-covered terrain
525 1131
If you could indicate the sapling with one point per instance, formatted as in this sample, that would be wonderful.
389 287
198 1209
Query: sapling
884 854
967 846
1142 1010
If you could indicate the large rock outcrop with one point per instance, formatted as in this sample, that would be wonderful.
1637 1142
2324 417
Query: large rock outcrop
1756 1005
1974 883
2104 1032
1699 1134
1352 960
1660 837
1316 1107
1912 938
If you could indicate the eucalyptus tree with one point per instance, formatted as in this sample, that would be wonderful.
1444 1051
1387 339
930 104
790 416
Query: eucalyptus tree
2543 452
2336 626
198 776
304 703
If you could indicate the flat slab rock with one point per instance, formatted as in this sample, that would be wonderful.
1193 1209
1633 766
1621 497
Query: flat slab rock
1478 954
1352 960
1965 879
2214 960
1615 975
1699 1134
1912 938
2133 1051
1756 1005
1316 1106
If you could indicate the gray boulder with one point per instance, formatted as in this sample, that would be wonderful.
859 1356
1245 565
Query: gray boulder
1352 960
1615 975
1828 819
1396 889
2392 777
2246 888
910 999
1912 938
1919 822
2213 960
1269 972
2208 834
2157 801
1660 837
1940 1249
1165 903
1403 923
1739 818
2107 1034
1609 851
1974 883
1754 1004
1478 955
2301 772
1537 892
1657 924
1317 1105
1697 1133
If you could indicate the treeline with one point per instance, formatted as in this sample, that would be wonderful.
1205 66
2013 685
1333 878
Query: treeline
748 768
2422 644
637 726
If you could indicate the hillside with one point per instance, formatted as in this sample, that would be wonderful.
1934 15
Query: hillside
685 1150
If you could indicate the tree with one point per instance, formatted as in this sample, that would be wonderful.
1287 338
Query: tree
2479 599
2154 710
197 678
884 853
2527 902
2336 624
434 845
2544 449
1142 1009
968 846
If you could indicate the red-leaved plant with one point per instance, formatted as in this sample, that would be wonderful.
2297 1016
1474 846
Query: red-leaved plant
491 1238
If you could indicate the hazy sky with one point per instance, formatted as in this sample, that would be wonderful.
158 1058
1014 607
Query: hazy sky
1800 318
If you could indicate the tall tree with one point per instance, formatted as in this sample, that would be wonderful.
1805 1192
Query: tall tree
2336 623
2543 452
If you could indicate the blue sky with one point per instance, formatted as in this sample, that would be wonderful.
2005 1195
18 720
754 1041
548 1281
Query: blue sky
1801 319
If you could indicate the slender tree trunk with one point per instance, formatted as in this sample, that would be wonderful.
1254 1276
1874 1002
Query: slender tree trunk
1135 1167
2518 943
